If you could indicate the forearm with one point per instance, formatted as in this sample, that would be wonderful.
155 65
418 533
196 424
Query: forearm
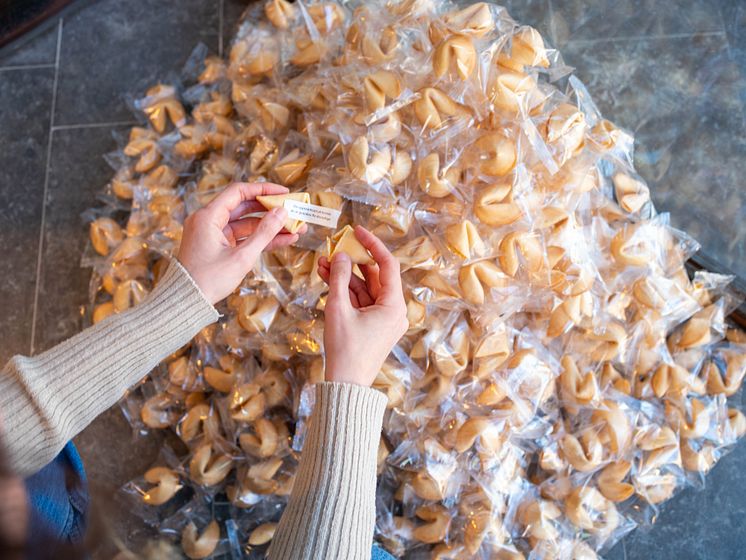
48 399
331 512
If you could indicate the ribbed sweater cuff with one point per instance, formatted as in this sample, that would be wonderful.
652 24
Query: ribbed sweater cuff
48 399
331 512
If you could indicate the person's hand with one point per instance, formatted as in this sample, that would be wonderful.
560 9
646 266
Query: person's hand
219 247
364 318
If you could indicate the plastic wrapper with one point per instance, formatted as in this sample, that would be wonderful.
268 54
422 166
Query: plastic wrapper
562 376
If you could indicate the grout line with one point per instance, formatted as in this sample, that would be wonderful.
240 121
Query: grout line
725 30
646 37
46 186
221 25
552 34
93 125
25 67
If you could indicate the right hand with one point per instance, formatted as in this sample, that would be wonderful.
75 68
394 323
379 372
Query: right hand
220 246
364 318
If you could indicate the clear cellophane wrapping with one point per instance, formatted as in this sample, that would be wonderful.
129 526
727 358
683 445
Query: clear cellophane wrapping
562 375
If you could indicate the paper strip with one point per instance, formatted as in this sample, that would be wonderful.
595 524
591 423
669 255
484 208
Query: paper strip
312 214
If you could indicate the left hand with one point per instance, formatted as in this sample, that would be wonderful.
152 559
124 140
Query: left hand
219 247
364 319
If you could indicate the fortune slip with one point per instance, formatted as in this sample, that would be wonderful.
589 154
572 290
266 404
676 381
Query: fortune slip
312 214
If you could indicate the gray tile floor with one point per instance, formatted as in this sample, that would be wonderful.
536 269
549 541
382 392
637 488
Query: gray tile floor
673 72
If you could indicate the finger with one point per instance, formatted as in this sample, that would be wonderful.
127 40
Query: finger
354 300
282 240
266 230
389 271
360 289
246 207
339 280
241 229
230 199
372 280
324 273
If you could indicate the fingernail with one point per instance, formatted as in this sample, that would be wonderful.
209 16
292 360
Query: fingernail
280 212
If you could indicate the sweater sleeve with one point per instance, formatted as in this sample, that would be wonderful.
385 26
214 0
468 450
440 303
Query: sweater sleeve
47 399
331 512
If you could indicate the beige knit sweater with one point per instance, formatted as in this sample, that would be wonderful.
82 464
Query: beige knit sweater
48 399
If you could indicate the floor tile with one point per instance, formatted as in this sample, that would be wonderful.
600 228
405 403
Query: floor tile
232 10
39 48
25 105
113 48
680 97
78 173
603 19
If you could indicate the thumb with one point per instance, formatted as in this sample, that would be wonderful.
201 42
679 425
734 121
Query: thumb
339 280
269 226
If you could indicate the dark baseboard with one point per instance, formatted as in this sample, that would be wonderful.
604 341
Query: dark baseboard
23 20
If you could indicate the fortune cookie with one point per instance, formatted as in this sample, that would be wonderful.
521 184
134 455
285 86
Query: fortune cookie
457 52
477 278
218 379
105 234
610 481
495 154
326 16
565 129
728 382
308 52
437 521
264 532
434 107
166 485
494 205
161 105
208 467
159 411
248 402
368 169
379 86
143 144
475 20
271 201
293 168
463 239
435 181
279 12
510 91
486 430
198 546
584 453
527 49
344 241
376 50
588 509
263 442
631 194
517 248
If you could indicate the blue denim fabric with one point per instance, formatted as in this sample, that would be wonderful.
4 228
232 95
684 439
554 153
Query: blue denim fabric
380 554
58 500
